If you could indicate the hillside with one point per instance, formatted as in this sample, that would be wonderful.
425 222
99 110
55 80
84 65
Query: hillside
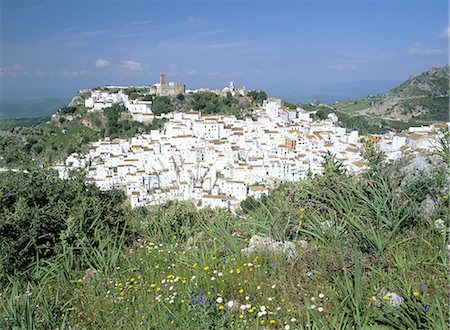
73 127
421 99
332 251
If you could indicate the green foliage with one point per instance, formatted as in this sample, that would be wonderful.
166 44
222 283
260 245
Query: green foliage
290 105
258 96
8 124
41 212
161 104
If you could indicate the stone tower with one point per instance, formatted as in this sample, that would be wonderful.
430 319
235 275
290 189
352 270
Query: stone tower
162 79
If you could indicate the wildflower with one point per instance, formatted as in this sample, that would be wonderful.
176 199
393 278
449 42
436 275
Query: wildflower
445 197
426 309
293 320
287 326
238 271
219 300
213 278
416 294
321 295
243 307
313 306
320 309
241 291
132 279
424 285
241 316
272 321
221 307
206 268
194 265
230 304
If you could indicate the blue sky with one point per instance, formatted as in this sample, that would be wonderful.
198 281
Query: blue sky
53 48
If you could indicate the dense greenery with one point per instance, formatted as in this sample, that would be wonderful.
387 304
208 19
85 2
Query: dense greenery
8 124
360 241
162 104
40 213
258 96
210 103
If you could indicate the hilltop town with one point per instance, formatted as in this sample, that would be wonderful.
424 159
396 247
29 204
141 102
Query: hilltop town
219 161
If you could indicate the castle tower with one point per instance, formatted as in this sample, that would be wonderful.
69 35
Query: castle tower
162 79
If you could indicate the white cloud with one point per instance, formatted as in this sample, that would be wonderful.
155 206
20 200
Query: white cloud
445 34
195 21
342 67
101 63
13 71
71 74
132 65
424 50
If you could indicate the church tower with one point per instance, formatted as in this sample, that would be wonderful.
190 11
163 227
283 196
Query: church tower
162 79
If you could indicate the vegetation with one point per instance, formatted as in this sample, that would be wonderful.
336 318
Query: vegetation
258 96
352 106
370 253
211 103
8 124
71 130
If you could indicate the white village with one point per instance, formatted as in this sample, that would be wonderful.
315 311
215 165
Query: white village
219 161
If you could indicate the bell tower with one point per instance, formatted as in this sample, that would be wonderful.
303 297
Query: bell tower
162 79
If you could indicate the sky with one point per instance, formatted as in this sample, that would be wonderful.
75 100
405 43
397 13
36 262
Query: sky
54 48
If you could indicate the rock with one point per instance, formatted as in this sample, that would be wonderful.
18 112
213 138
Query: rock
259 243
394 299
439 225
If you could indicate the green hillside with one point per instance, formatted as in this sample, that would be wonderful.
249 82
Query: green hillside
332 252
421 99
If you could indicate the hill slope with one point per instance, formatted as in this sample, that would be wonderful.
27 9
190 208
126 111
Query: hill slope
422 97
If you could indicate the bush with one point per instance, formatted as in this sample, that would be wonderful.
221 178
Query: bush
39 212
